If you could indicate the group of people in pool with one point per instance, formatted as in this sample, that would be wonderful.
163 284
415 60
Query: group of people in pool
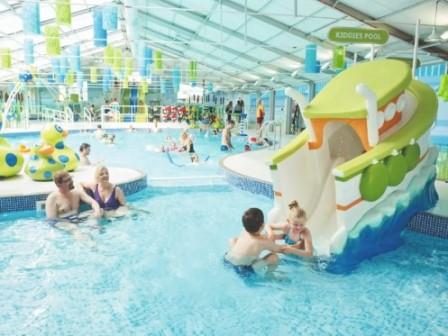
103 136
245 252
185 145
62 206
246 249
101 195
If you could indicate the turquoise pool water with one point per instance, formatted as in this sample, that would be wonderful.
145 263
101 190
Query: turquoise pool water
136 150
162 274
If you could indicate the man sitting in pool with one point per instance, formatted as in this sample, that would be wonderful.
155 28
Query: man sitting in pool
64 202
244 252
62 205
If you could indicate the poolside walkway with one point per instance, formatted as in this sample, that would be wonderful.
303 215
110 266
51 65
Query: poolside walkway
22 185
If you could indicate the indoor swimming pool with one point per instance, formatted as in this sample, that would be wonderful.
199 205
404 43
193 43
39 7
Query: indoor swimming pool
162 274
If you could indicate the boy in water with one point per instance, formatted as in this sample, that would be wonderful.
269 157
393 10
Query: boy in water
244 253
226 142
84 152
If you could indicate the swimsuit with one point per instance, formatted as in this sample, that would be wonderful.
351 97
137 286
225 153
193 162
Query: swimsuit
243 271
191 150
75 219
289 241
224 148
111 204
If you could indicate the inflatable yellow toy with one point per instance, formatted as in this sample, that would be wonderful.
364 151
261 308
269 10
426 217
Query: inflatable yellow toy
53 135
24 149
11 161
41 166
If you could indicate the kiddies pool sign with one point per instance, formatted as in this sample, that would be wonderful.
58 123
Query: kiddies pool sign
358 35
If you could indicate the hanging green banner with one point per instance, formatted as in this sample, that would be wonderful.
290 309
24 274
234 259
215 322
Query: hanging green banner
109 53
158 60
53 41
63 12
93 75
338 57
118 60
5 58
129 66
358 35
70 78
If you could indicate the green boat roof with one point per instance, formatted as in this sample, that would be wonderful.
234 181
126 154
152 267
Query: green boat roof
419 123
387 78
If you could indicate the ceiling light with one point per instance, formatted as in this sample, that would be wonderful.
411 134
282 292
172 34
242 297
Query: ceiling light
444 36
434 37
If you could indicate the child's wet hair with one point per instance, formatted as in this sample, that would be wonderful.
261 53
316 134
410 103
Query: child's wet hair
83 146
295 211
253 219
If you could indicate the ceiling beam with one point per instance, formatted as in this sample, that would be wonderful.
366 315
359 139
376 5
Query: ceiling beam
236 66
200 52
53 20
203 19
282 26
191 34
179 54
371 21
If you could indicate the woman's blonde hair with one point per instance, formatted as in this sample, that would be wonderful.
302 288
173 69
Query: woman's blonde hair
98 171
295 211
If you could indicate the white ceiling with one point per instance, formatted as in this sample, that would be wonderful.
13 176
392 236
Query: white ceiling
233 45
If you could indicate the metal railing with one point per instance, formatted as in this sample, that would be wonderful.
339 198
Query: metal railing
271 132
88 117
53 115
8 104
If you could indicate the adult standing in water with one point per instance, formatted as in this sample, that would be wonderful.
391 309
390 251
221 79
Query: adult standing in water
229 110
260 113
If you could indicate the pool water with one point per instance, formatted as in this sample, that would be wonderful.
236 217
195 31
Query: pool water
137 150
162 274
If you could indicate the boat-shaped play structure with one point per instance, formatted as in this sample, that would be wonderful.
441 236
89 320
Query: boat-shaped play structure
364 166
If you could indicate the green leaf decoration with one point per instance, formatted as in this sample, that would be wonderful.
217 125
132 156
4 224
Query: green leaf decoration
412 155
396 168
374 181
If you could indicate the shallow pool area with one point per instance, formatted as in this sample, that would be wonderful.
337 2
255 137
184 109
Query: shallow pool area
162 274
141 150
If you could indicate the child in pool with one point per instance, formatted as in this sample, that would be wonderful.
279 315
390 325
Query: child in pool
296 235
244 252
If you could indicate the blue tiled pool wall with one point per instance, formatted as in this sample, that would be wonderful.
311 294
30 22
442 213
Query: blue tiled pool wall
429 224
247 184
22 203
132 187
